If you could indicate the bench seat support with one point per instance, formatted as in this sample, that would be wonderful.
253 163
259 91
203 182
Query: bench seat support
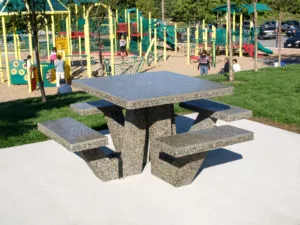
77 137
210 111
178 158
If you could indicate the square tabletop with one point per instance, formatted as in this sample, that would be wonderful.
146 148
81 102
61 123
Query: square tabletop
150 89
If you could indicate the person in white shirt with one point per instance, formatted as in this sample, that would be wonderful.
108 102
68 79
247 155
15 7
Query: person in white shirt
28 62
236 67
123 47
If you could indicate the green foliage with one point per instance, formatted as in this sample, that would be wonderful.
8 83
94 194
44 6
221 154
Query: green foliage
147 6
191 11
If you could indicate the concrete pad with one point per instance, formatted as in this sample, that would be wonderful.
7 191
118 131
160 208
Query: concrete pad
256 182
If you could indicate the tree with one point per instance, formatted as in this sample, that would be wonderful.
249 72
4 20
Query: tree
163 10
147 6
192 11
33 12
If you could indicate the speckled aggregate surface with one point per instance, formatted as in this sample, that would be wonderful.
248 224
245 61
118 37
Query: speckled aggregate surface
202 140
92 107
72 134
151 89
217 110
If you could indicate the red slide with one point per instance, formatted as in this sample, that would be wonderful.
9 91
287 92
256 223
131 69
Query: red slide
249 48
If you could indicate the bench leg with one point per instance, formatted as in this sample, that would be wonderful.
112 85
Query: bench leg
104 167
177 172
203 121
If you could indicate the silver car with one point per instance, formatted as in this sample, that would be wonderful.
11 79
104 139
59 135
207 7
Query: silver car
267 33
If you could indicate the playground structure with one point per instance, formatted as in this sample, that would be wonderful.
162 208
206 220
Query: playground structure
84 37
15 70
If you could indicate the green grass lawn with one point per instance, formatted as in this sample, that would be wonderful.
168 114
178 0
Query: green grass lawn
272 93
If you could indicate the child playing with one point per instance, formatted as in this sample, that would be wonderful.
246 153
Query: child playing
60 70
53 56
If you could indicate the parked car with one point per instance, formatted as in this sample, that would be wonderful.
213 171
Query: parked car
284 26
291 31
271 23
293 42
294 23
267 32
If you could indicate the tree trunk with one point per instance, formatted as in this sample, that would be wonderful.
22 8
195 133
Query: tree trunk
255 36
38 64
100 53
279 37
163 10
231 75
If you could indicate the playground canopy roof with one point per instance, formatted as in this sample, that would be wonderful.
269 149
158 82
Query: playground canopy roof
78 2
236 8
51 6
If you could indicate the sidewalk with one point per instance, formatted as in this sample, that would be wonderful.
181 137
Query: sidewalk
255 183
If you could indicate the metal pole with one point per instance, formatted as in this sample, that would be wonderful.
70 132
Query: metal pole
197 40
1 68
47 40
53 30
79 45
87 44
175 38
241 36
226 46
111 37
188 46
70 34
165 44
205 39
141 37
15 41
155 42
233 27
6 51
18 48
129 31
150 32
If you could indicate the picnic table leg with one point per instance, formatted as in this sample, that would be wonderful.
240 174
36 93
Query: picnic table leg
115 121
161 123
132 134
134 143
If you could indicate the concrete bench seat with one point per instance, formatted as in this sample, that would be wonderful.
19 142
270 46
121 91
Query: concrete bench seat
72 134
177 159
217 110
92 107
87 142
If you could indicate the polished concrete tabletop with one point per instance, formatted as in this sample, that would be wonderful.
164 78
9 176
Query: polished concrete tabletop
149 89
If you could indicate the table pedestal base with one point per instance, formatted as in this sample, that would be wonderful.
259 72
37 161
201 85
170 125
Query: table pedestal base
133 139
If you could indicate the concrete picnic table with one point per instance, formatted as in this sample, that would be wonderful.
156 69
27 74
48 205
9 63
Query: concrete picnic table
148 99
